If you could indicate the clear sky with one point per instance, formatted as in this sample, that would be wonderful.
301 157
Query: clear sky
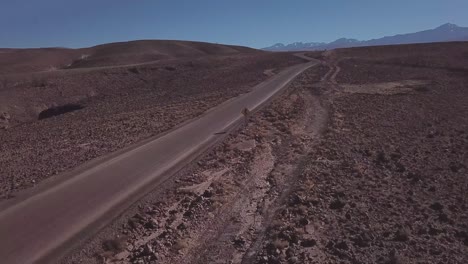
261 23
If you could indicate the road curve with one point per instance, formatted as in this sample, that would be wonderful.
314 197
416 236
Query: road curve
38 229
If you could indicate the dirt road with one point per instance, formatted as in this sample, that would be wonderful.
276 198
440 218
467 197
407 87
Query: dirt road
346 168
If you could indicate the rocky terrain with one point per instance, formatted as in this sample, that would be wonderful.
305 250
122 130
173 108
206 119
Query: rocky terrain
387 182
219 204
53 122
362 160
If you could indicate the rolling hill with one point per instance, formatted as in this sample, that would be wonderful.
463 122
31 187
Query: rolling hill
112 54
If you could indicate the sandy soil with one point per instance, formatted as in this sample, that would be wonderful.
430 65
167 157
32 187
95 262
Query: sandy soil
361 161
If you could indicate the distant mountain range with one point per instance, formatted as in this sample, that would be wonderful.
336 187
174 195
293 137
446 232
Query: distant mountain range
444 33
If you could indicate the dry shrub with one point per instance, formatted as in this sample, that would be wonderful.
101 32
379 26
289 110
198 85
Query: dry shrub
3 82
134 70
115 245
280 244
181 244
38 81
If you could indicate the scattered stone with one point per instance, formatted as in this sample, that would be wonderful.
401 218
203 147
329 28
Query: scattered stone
308 243
401 235
362 240
342 245
337 204
443 217
151 224
304 221
115 245
239 241
295 200
436 206
293 260
148 250
380 159
394 258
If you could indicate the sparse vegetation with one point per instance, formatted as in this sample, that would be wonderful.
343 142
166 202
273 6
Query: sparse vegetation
181 244
3 82
421 89
38 81
279 244
115 245
134 70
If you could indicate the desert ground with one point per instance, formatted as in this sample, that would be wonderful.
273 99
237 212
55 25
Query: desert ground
56 120
363 159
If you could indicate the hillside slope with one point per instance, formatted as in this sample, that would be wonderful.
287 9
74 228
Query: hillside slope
112 54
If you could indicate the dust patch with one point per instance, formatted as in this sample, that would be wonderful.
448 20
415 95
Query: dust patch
200 188
269 72
246 145
387 88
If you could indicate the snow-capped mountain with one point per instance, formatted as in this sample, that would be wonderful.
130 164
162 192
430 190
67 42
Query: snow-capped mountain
295 46
444 33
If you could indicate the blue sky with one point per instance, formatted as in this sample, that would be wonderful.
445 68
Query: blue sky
82 23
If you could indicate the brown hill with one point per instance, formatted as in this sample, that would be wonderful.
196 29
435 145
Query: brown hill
31 60
121 53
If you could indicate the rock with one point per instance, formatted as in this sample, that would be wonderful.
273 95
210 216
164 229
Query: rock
456 167
433 231
4 120
401 235
436 206
132 224
151 224
308 243
380 159
182 226
139 217
337 204
147 251
207 194
443 217
342 245
362 240
400 167
295 200
238 241
304 221
435 251
394 258
463 236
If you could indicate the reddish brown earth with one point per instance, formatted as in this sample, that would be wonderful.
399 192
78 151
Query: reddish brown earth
362 160
14 61
55 121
